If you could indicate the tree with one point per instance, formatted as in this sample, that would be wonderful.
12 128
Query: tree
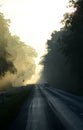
72 45
63 64
15 56
5 63
23 58
56 71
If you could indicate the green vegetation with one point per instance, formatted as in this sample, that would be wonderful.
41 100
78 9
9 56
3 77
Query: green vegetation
5 63
10 104
16 58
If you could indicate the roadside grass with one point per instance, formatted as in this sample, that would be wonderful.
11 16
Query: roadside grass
10 104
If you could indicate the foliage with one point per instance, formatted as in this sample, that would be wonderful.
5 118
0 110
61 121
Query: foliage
23 59
63 64
5 63
15 56
72 46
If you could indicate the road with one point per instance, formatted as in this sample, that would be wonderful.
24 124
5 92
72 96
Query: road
50 109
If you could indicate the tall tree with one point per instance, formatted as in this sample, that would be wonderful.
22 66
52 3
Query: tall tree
73 44
23 58
15 56
63 64
5 63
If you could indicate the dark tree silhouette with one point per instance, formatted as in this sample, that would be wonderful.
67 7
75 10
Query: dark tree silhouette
63 64
73 44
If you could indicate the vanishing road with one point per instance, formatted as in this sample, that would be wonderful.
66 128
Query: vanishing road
50 109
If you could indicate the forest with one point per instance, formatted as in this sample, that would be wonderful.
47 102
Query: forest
16 58
63 64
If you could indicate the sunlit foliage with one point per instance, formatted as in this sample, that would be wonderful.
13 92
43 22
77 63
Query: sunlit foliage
23 59
15 56
5 63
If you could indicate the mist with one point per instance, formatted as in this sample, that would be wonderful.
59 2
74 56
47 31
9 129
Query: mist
57 71
17 62
23 59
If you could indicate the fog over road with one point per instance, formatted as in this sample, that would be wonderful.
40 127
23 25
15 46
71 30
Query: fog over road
50 109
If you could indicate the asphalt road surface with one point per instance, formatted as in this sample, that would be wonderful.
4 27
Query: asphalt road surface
50 109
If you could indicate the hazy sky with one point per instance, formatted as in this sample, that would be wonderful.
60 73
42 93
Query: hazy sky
34 20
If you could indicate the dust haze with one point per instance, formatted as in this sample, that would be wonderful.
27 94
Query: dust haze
17 62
